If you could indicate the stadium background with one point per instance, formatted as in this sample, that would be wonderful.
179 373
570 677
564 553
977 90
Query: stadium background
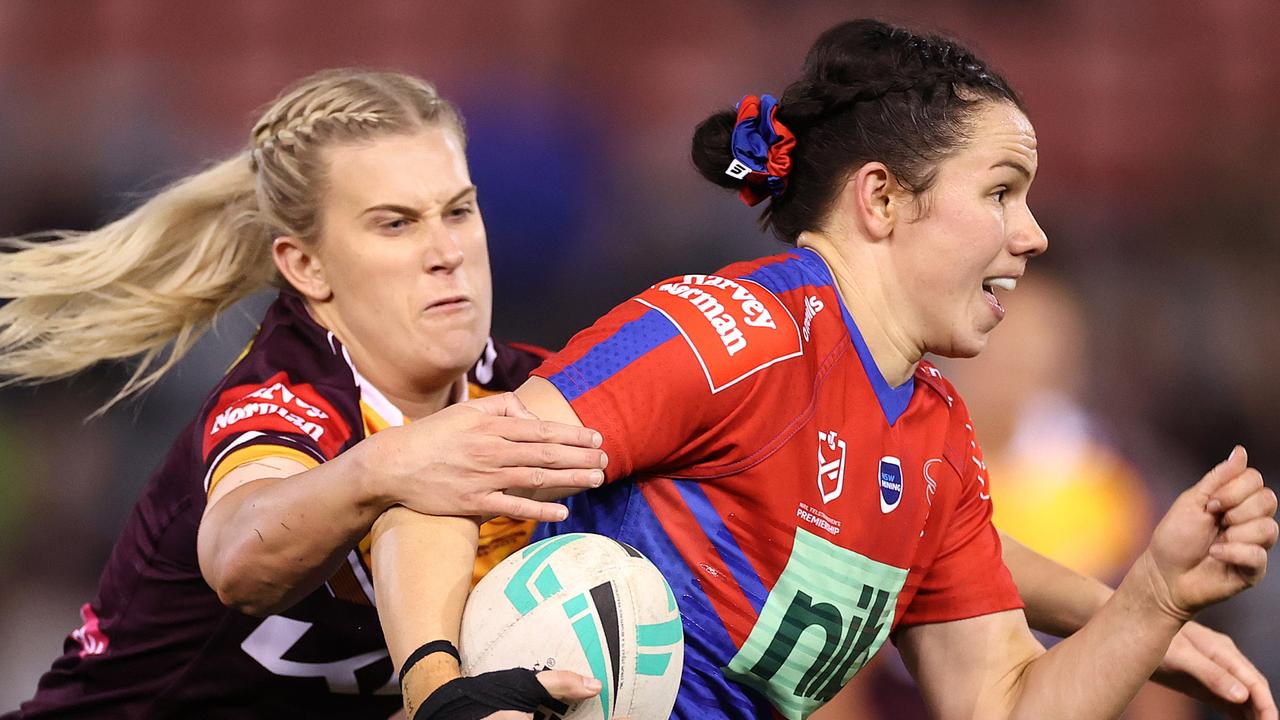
1160 190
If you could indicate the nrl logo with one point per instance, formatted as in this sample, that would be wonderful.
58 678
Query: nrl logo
830 471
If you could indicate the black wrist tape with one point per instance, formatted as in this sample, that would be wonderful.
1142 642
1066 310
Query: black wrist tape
430 648
473 698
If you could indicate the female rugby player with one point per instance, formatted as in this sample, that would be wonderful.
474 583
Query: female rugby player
806 481
240 585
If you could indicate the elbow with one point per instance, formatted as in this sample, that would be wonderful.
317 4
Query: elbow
243 585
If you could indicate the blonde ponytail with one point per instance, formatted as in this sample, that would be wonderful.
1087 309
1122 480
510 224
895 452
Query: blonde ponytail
157 278
159 274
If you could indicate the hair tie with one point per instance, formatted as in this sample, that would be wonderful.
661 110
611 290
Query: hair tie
761 148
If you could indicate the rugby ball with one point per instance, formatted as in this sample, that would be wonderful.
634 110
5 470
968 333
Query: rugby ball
584 603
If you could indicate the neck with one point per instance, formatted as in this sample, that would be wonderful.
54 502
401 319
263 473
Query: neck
416 405
414 397
871 302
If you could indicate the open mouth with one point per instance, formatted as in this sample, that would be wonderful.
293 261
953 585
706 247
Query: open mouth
989 287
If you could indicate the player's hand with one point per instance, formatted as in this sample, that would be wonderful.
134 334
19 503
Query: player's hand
506 695
1207 666
563 685
1213 542
460 461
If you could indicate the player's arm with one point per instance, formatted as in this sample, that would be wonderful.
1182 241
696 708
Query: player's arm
274 528
1211 545
1200 662
422 570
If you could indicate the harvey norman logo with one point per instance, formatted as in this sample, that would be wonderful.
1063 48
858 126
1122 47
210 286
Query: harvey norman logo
734 327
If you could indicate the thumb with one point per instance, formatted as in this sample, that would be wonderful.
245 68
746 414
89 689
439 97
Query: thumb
1236 463
503 405
566 685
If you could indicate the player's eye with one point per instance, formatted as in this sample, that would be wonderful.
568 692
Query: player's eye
999 193
394 226
462 212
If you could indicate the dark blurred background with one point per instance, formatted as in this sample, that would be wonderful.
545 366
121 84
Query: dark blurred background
1147 354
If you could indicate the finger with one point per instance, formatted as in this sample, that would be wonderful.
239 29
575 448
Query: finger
1218 679
1248 558
523 508
503 405
548 455
1234 491
567 685
546 431
509 715
1261 531
1235 464
1223 651
1261 504
534 478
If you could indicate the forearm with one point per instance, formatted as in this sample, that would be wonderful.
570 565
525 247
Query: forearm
268 543
1096 672
1059 601
422 569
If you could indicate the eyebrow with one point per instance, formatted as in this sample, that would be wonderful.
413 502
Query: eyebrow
1016 166
415 212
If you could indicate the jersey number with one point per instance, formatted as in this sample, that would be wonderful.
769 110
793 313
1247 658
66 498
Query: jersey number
272 640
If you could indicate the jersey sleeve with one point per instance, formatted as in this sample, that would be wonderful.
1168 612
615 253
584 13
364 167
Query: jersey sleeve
277 416
967 577
669 376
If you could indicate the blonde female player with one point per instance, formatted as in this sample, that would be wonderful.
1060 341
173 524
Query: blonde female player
239 586
781 450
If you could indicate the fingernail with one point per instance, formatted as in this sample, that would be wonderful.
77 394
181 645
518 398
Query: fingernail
604 460
593 684
561 514
597 477
596 439
1239 694
1214 505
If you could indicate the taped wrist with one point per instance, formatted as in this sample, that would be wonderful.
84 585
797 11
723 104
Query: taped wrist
476 697
430 648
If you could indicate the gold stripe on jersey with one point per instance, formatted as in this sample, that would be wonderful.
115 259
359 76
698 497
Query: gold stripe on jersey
254 453
373 421
499 538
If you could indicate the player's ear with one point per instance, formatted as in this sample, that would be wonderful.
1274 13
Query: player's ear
301 267
873 199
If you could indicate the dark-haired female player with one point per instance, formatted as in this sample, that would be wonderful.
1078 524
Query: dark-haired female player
806 481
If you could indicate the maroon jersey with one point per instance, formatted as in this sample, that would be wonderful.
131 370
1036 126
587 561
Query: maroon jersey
156 642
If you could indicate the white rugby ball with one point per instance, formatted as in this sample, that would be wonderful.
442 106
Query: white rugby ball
585 603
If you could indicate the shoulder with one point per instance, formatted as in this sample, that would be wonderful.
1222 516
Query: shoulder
292 379
735 326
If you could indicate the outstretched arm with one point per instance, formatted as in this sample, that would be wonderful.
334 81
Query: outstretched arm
1211 545
1202 663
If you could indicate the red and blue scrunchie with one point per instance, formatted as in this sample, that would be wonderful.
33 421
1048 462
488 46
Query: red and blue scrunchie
761 147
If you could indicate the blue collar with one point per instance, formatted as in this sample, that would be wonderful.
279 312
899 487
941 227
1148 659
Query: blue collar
893 400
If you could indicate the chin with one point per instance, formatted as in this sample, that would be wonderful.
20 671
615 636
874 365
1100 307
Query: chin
964 347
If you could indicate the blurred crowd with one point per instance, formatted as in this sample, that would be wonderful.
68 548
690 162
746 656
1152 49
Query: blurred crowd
1134 355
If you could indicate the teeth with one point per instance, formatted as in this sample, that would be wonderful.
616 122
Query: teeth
1005 283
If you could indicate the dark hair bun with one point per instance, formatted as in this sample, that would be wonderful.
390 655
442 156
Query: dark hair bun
869 91
711 151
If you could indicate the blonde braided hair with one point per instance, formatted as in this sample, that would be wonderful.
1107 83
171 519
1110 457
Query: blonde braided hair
148 285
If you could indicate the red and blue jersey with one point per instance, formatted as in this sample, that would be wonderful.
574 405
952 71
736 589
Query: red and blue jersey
800 507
